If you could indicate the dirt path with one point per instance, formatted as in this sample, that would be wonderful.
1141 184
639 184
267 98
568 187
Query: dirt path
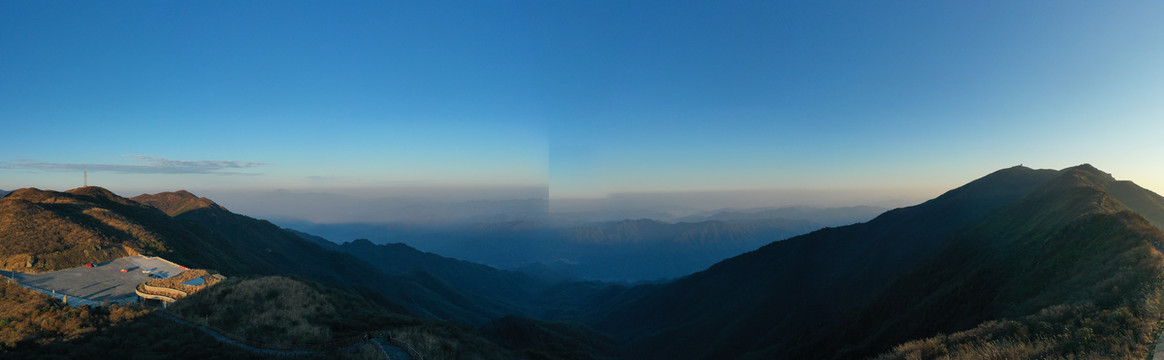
391 351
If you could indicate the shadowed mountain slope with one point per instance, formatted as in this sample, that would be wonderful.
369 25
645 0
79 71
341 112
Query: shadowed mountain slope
1023 263
1069 270
767 297
509 286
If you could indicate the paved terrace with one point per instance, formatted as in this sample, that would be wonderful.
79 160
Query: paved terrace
102 282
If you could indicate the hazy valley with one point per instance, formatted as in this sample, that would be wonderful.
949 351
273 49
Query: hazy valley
623 251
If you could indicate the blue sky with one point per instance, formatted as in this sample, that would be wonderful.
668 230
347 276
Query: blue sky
586 98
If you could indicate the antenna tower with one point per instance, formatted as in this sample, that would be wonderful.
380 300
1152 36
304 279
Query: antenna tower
86 178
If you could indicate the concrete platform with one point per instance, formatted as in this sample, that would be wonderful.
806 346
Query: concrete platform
103 282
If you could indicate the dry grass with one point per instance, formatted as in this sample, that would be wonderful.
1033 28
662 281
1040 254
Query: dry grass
1106 328
271 310
48 230
1070 332
29 316
439 341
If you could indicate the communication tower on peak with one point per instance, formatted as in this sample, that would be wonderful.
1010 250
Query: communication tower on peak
86 183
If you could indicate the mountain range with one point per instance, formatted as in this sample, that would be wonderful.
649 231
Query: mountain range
627 250
47 230
57 230
1020 263
836 216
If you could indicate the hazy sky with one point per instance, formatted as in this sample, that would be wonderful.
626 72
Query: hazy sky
587 98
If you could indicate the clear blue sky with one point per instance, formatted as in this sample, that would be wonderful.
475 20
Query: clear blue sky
587 98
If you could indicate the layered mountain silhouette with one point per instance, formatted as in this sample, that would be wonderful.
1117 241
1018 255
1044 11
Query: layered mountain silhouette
512 287
49 230
265 249
824 216
1020 263
627 250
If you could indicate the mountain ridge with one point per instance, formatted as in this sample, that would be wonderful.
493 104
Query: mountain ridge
812 279
1021 262
621 251
271 250
836 216
1084 251
47 230
44 230
176 202
996 257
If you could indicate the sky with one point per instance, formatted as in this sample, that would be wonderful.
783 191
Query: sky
576 100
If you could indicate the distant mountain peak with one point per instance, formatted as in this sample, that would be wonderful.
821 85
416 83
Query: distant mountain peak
176 202
185 194
94 191
362 242
27 193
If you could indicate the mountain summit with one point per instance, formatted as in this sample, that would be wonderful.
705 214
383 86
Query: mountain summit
1073 250
177 202
43 230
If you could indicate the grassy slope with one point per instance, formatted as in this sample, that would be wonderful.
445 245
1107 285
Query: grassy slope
30 317
282 311
770 296
175 203
60 230
1068 271
36 326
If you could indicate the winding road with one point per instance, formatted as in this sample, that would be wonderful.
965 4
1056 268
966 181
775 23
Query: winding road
1158 352
392 352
